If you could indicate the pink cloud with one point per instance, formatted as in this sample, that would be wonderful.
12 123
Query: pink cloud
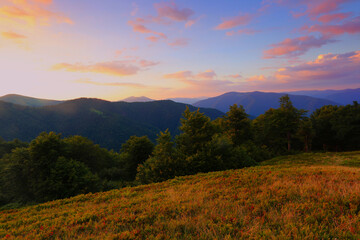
333 17
179 75
180 42
32 12
296 46
234 22
184 75
327 71
111 84
138 26
13 36
351 27
256 78
153 38
234 76
208 74
115 68
318 7
171 11
146 63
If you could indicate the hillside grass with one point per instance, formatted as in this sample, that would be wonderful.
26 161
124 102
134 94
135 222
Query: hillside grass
306 196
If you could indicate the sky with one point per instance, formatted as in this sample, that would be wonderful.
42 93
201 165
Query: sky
113 49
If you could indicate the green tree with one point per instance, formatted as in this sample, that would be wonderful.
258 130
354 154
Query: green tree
133 152
276 127
237 125
192 144
306 133
163 164
322 123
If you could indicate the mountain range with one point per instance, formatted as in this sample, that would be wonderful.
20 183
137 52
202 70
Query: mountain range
256 103
106 123
346 96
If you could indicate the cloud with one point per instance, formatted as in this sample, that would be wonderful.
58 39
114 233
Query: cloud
296 46
319 7
180 42
351 27
13 36
146 63
335 68
116 68
32 12
208 74
256 78
333 17
111 84
186 75
171 11
327 71
232 22
241 32
234 76
179 75
138 26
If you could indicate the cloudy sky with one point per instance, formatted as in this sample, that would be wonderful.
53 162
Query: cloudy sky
112 49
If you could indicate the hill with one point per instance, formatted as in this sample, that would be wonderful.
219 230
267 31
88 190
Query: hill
346 96
307 196
28 101
256 103
106 123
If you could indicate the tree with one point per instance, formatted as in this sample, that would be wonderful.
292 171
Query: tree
288 117
237 125
276 127
322 123
192 144
306 133
133 152
163 164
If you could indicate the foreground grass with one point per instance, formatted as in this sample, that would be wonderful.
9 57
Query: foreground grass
307 196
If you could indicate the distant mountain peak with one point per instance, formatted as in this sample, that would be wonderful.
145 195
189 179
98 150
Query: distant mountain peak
137 99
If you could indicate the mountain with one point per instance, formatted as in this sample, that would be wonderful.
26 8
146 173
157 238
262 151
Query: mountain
296 195
187 100
137 99
106 123
28 101
256 103
346 96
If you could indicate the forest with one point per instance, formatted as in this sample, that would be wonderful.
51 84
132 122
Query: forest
52 167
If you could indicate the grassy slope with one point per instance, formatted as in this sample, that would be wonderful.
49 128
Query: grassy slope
308 196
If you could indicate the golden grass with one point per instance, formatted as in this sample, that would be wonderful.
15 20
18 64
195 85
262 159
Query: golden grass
278 201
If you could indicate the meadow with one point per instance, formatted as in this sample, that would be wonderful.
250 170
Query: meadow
305 196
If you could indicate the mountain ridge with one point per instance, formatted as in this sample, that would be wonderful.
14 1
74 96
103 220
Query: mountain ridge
256 103
106 123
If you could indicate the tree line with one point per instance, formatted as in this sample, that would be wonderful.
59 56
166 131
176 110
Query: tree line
51 167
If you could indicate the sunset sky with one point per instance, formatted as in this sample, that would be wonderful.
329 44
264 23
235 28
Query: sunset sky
112 49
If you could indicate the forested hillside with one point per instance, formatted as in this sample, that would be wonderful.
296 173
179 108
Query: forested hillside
106 123
53 166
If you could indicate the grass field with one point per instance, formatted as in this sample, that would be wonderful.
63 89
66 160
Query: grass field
306 196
